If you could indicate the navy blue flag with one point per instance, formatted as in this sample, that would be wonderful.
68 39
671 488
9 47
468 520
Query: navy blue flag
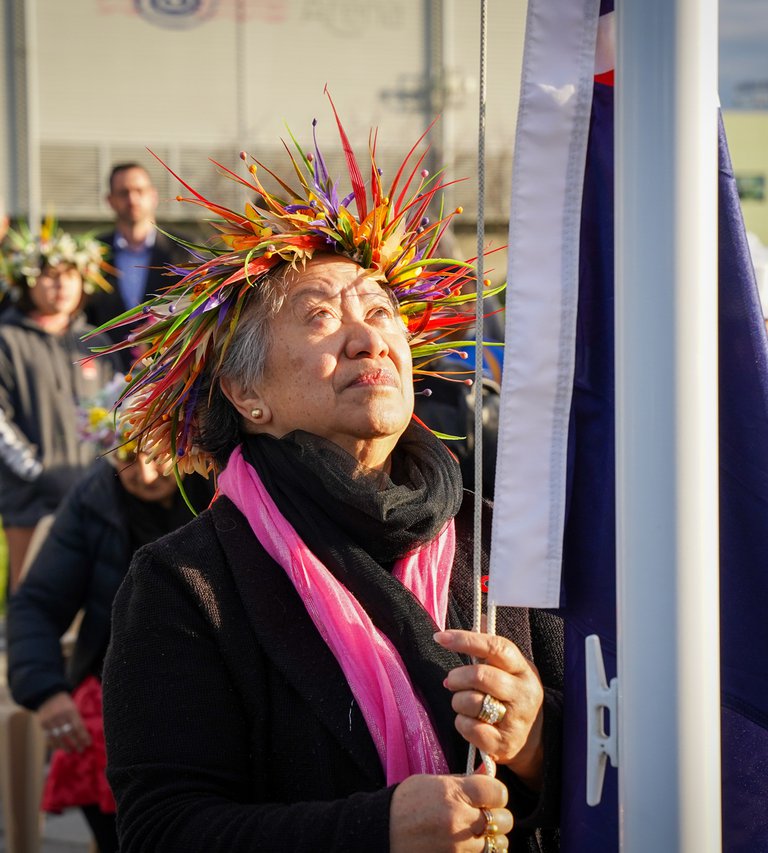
589 565
589 588
743 531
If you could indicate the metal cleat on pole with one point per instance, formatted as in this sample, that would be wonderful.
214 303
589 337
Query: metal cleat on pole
602 699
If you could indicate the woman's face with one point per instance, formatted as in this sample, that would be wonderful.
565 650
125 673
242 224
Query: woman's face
339 365
145 480
58 290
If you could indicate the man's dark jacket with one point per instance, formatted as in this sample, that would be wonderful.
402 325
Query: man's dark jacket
102 307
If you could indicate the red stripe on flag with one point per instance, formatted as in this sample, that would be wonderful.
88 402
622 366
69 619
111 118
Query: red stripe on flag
606 78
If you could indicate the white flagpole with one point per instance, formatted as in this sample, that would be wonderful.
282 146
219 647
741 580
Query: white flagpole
666 426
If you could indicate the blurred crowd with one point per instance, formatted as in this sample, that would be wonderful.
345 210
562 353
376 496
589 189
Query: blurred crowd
76 498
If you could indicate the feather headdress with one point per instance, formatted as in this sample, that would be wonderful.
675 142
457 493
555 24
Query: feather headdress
385 229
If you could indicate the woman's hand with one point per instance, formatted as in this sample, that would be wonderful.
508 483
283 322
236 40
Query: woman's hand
63 724
516 740
445 814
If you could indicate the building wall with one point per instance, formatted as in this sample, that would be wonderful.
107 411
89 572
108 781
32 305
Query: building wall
748 142
113 82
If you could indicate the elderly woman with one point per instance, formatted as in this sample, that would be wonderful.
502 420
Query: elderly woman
45 368
292 670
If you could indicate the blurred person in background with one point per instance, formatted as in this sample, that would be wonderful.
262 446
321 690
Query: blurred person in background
45 369
122 502
137 250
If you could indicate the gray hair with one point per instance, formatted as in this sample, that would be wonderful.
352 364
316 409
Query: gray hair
219 428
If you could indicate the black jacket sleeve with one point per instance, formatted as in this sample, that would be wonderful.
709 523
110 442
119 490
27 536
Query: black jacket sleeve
17 453
183 750
44 606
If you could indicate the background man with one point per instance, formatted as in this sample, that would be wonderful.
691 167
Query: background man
138 250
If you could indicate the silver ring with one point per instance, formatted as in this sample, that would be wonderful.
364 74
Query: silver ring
492 710
66 728
55 731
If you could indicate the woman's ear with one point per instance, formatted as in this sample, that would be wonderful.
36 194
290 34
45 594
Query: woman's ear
248 402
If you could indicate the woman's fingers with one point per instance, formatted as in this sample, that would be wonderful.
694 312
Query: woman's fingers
491 648
68 733
469 703
493 822
63 724
452 813
498 702
482 679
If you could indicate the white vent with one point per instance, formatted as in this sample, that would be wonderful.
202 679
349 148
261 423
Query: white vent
74 177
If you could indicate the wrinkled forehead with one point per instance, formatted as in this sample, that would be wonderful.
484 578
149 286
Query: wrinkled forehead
334 277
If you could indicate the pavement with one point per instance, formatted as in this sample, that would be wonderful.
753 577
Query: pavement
66 833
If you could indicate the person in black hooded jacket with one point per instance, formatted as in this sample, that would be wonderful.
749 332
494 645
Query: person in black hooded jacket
45 370
114 509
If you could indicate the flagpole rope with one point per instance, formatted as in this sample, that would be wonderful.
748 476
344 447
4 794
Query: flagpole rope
478 386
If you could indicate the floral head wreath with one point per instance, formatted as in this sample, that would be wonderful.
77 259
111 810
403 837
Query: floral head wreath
24 255
390 233
99 424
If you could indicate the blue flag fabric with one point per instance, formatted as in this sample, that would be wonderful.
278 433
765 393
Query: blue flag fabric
743 531
589 588
589 566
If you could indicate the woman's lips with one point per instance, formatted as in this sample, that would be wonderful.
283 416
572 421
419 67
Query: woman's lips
374 378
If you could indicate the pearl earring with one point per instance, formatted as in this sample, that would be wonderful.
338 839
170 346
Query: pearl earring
256 414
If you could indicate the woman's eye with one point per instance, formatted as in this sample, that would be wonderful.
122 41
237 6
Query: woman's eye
382 312
322 313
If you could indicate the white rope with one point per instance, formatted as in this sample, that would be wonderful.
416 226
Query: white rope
478 386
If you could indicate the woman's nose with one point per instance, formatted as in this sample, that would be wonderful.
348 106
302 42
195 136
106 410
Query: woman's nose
147 472
364 340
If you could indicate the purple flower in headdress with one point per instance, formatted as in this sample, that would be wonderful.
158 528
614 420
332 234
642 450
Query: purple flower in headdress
421 287
321 171
209 304
223 309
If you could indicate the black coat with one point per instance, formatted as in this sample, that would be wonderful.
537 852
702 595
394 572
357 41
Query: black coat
230 726
80 565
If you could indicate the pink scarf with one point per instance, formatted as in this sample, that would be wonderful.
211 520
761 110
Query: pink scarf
397 720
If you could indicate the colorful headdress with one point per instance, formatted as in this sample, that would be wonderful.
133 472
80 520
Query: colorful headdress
24 255
390 233
99 424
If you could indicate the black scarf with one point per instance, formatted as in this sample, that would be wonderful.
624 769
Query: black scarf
149 520
358 522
